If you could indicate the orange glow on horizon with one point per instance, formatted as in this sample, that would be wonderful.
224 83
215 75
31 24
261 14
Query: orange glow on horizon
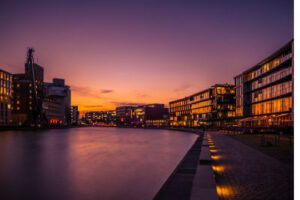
104 102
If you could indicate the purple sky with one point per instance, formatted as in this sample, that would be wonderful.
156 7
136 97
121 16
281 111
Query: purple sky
115 52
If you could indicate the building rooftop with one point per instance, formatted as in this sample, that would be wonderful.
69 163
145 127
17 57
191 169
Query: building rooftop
1 70
269 58
202 91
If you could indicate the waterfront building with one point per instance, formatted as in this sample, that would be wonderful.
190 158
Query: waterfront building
57 103
214 106
150 115
264 93
28 94
138 117
156 123
101 118
124 115
74 115
112 117
5 97
156 115
89 117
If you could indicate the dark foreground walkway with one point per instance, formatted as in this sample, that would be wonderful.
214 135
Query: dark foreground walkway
243 172
179 184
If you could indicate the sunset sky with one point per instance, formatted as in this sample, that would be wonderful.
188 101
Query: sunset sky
118 52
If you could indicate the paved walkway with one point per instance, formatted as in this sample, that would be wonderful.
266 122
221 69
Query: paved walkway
179 184
243 172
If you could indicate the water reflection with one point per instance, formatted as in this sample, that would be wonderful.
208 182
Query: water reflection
88 163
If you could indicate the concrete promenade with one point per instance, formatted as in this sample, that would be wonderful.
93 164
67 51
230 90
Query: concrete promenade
193 178
179 184
242 172
204 184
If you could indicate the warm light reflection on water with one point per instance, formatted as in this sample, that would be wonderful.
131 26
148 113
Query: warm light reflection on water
89 163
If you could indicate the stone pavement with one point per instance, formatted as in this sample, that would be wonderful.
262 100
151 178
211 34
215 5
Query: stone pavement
243 172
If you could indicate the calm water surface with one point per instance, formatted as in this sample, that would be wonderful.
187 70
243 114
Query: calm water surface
88 163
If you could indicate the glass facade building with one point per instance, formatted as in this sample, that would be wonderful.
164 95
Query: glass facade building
214 106
264 93
5 97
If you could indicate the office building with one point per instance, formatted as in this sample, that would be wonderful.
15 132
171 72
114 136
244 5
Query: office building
150 115
57 103
124 115
264 93
74 115
5 97
213 107
101 118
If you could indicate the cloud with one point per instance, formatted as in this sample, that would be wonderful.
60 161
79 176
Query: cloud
85 91
121 103
106 91
89 92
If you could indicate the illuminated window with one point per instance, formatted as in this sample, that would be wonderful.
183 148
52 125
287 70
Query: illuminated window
273 106
266 67
221 90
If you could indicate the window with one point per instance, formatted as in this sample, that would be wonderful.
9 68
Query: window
273 91
273 106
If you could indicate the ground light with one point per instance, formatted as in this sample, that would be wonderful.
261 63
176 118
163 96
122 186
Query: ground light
213 150
218 169
215 157
224 191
